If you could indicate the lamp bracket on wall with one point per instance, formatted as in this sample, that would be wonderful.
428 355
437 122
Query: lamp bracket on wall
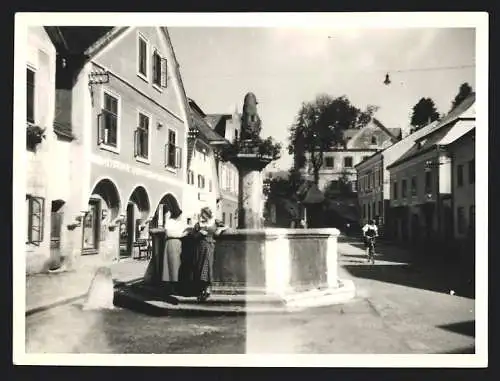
97 78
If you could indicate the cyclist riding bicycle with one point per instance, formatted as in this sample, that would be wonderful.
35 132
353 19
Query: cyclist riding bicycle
370 232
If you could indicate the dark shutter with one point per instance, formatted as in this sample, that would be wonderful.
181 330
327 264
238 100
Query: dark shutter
164 72
166 155
178 157
145 139
100 127
154 68
136 143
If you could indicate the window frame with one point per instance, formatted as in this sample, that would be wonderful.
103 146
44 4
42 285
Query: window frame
395 190
332 160
34 71
472 171
102 144
428 188
345 160
414 186
460 175
177 165
404 188
163 79
29 239
143 76
139 158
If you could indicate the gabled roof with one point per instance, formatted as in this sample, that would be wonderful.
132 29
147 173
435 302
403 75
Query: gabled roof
352 134
197 118
435 133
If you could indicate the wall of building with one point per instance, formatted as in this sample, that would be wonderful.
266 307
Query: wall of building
197 196
463 153
370 189
328 174
119 167
229 190
41 58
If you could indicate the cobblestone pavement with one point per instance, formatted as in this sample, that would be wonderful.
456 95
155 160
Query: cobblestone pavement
398 309
51 288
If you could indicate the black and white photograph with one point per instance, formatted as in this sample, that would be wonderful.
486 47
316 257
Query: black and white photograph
252 187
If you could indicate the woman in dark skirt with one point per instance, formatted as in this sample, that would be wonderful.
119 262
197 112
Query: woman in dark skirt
203 251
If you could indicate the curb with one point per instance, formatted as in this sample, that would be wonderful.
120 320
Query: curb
72 299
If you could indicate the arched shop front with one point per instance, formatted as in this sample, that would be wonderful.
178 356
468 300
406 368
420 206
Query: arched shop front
103 208
133 226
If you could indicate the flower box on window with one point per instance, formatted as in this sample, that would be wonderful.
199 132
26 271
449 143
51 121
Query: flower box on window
34 135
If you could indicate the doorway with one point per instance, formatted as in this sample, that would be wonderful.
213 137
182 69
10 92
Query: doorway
91 228
127 232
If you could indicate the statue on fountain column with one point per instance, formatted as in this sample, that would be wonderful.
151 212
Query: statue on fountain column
250 120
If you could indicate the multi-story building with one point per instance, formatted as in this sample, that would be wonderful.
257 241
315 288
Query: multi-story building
373 180
421 198
202 178
128 114
359 145
464 185
41 178
228 126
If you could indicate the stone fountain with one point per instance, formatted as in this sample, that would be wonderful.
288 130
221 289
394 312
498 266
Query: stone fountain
258 269
295 267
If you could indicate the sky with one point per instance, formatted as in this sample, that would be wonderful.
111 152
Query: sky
284 67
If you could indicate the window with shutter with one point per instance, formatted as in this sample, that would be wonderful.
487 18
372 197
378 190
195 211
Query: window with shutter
36 208
157 69
108 122
142 57
171 152
142 137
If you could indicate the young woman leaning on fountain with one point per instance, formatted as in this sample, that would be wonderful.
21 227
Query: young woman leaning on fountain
203 233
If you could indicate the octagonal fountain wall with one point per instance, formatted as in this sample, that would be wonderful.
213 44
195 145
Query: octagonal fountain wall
277 261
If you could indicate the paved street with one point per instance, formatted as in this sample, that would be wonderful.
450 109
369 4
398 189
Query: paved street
398 309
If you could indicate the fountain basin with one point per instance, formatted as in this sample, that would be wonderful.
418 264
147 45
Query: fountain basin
298 267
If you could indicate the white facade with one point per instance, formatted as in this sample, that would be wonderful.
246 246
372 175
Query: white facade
41 179
202 185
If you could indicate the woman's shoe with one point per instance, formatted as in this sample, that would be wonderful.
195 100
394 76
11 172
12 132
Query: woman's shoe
203 296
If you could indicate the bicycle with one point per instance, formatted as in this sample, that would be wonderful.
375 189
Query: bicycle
371 249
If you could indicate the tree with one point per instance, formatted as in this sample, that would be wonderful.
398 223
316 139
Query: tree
320 125
463 92
424 112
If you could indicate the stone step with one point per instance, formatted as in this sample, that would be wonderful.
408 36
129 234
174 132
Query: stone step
151 301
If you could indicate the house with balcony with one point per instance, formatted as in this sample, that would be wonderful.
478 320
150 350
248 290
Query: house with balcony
373 181
123 103
358 145
228 126
203 179
41 178
422 180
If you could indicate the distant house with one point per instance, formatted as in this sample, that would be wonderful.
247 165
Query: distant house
359 145
424 180
373 180
202 176
229 127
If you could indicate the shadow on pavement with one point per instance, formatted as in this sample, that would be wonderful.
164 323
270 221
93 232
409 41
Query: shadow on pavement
464 350
414 276
466 328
